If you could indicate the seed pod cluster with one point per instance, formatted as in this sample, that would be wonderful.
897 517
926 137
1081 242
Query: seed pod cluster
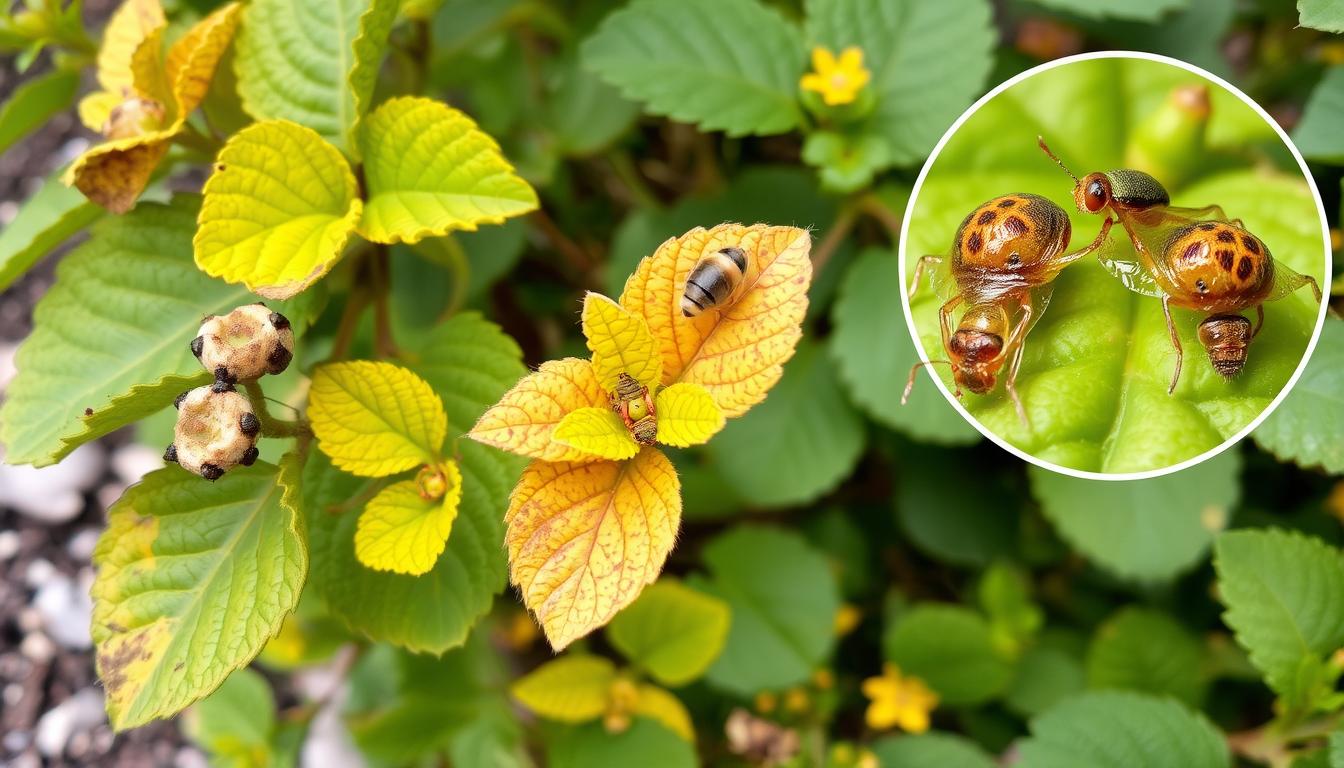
245 344
216 431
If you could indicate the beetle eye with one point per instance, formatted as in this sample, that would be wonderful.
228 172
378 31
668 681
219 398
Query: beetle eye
1096 196
1202 286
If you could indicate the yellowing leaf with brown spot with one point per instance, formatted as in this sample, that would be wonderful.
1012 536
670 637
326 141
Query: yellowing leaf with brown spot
95 108
736 352
115 173
687 415
620 342
584 539
570 689
191 61
596 431
147 73
525 418
128 27
663 706
278 209
375 419
403 532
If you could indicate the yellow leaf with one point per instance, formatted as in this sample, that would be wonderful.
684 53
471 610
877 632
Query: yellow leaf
192 59
687 415
278 209
525 418
584 539
113 174
95 108
375 419
147 73
571 689
661 705
736 352
620 342
401 531
127 28
598 432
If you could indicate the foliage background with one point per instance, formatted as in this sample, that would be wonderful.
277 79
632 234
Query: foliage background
1052 616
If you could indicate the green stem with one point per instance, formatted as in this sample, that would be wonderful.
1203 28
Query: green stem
624 167
460 268
271 426
873 206
192 138
381 267
840 229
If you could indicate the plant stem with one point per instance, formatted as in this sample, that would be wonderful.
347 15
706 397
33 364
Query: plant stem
840 229
872 205
192 138
625 169
271 426
460 269
381 267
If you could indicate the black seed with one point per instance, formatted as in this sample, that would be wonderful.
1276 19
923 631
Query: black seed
249 423
222 375
279 359
279 321
249 456
170 453
211 472
197 345
177 401
221 386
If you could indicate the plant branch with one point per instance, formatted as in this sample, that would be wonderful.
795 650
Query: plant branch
873 206
380 266
460 269
840 229
270 425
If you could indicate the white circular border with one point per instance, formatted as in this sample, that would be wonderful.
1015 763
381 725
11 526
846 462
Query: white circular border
1005 85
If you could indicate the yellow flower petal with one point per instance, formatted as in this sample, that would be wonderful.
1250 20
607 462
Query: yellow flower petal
851 59
584 539
525 418
598 432
620 342
813 82
823 61
687 415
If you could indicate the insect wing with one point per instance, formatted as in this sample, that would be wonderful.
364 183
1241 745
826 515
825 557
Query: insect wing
1119 259
1287 281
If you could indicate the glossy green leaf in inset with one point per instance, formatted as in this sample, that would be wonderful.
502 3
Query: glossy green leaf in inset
278 209
725 65
1143 650
952 650
180 559
121 316
1097 365
672 631
1325 15
1113 729
53 214
925 750
429 170
784 600
928 62
1143 530
1284 593
1307 425
801 442
871 346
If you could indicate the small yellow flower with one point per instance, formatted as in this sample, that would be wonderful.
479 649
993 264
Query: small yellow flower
838 81
766 702
796 700
898 701
846 619
1334 503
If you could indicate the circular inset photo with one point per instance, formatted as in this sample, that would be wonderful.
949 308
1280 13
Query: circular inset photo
1112 265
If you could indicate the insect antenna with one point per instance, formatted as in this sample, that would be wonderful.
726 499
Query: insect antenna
910 383
1040 140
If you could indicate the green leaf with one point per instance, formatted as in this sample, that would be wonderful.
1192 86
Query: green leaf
312 61
1143 530
1147 651
725 65
1097 365
672 631
278 209
123 312
1005 596
1147 10
1321 14
432 612
1045 676
49 218
970 524
470 362
180 559
798 444
584 113
952 650
1110 729
570 689
872 347
784 600
944 750
429 171
929 62
1317 133
236 723
33 103
645 743
1306 426
1284 594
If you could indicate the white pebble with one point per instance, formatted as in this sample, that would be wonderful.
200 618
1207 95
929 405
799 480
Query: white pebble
12 695
39 571
16 741
190 757
9 545
54 494
133 461
81 545
80 712
329 743
66 612
37 647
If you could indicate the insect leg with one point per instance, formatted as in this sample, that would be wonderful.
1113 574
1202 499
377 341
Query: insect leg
945 319
1011 385
1259 319
1096 243
1015 345
1175 342
920 266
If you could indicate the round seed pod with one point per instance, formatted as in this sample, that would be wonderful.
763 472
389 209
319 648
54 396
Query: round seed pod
245 344
216 431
